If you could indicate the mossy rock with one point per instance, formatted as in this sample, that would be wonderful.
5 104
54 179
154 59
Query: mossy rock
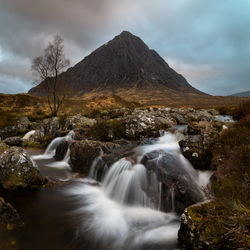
206 225
18 170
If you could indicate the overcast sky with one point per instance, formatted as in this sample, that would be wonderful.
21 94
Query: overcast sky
208 41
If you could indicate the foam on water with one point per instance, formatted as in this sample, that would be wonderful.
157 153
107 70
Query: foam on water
51 149
120 213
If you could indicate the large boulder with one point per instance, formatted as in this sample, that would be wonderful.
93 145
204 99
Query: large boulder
18 170
14 141
178 178
143 123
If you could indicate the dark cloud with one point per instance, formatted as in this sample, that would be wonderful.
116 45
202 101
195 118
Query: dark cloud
207 41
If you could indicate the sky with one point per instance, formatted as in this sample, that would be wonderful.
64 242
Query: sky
208 42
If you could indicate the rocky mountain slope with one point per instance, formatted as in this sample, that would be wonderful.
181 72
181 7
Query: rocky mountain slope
124 66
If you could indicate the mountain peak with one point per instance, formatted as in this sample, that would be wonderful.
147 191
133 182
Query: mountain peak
125 62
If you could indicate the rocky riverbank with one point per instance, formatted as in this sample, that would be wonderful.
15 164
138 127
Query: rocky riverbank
107 136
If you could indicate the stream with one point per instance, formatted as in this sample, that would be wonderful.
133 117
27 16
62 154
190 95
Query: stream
123 211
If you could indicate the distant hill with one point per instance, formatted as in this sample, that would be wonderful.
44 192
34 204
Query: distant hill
124 66
242 94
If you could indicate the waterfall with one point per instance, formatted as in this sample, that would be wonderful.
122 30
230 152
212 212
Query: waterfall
51 149
29 134
125 210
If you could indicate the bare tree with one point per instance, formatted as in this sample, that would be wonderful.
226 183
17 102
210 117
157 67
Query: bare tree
48 67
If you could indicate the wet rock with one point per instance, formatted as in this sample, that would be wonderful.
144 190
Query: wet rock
177 177
84 153
9 218
79 121
61 150
14 141
192 234
17 170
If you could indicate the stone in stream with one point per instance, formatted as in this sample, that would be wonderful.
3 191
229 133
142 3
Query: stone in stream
178 178
18 170
83 153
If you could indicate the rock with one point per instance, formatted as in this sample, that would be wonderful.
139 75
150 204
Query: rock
61 150
3 147
50 126
177 178
179 118
79 121
17 170
10 224
83 153
14 141
193 130
192 233
20 128
9 216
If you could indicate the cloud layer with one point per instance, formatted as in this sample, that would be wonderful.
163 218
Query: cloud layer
207 41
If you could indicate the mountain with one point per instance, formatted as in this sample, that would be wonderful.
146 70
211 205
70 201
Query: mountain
124 66
242 94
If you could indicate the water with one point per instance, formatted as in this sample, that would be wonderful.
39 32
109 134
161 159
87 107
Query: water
125 211
29 134
51 149
224 118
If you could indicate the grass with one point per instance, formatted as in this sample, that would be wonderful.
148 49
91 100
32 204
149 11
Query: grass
225 222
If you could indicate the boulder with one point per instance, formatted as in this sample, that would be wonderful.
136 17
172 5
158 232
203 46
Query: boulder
50 126
79 121
9 218
61 150
14 141
193 233
84 153
178 178
18 170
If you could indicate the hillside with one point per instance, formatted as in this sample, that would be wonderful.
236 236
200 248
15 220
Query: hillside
242 94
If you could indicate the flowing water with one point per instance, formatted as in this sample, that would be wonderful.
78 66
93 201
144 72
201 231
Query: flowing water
123 211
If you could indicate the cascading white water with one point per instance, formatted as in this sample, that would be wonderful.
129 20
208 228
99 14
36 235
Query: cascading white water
29 134
51 149
123 211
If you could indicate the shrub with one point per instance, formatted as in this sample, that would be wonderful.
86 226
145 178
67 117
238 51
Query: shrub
107 130
8 119
241 111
